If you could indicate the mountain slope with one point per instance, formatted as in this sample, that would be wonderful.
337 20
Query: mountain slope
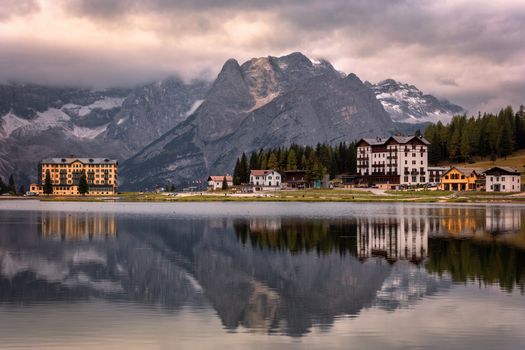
38 122
270 101
407 104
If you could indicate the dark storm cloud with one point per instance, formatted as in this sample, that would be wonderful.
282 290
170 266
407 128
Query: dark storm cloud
466 51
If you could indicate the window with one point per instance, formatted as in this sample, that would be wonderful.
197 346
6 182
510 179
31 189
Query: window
406 178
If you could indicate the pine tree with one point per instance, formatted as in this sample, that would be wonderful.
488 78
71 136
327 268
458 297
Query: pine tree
11 187
291 163
272 161
505 143
2 186
48 186
83 186
224 183
254 161
22 189
245 169
237 176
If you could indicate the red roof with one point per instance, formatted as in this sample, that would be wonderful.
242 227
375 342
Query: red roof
220 178
259 172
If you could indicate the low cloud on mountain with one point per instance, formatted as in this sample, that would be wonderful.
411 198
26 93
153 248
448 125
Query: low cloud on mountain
467 51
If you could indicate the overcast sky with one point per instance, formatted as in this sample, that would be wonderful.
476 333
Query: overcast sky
470 52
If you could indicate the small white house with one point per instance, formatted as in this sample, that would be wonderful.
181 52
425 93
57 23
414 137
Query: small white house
502 179
265 180
215 182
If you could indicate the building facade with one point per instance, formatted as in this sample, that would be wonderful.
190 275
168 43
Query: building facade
394 161
65 173
502 179
296 179
215 182
461 179
435 173
265 180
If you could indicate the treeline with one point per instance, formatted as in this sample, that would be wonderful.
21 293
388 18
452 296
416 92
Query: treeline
317 161
486 135
10 187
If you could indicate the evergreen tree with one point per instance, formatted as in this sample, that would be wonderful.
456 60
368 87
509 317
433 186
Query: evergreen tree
83 186
48 186
224 183
237 175
272 161
22 189
254 161
505 143
245 169
291 163
2 186
11 187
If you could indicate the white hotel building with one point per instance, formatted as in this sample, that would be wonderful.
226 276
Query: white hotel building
394 161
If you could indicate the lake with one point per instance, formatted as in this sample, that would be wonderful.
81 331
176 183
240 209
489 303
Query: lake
261 275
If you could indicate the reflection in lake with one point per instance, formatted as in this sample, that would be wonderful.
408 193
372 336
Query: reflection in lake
267 274
74 226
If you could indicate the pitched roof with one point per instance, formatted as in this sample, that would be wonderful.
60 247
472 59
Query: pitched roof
229 178
465 171
504 168
399 139
260 172
70 160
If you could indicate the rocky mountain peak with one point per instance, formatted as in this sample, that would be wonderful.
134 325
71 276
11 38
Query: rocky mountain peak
407 104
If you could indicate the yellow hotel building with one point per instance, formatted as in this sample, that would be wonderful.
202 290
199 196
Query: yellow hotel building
461 179
101 174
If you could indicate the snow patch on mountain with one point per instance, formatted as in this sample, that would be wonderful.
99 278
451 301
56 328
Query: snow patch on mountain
51 118
10 123
105 103
88 133
192 109
407 104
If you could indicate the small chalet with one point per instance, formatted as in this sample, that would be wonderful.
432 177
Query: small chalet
502 179
295 179
462 179
215 182
265 180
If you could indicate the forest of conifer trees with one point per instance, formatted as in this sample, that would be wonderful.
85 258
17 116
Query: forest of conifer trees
464 139
317 161
486 135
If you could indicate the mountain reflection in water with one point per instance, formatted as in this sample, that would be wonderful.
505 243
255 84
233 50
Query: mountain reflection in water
270 274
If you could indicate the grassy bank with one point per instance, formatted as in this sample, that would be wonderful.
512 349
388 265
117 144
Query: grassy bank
305 196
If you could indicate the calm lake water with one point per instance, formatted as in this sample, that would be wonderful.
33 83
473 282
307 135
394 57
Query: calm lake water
261 275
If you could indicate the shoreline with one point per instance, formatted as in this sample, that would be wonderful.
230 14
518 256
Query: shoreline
311 196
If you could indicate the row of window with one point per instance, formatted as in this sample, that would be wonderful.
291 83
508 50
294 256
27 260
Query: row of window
78 165
269 177
514 178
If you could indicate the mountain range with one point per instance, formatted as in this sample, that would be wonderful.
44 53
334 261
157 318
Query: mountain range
178 132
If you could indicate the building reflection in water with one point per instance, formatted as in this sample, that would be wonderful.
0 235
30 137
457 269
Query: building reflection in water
402 238
77 226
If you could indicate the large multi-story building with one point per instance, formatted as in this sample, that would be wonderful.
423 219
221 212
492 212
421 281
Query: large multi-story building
394 161
65 173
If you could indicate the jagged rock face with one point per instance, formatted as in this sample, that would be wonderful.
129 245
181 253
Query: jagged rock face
38 122
407 104
266 102
151 110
